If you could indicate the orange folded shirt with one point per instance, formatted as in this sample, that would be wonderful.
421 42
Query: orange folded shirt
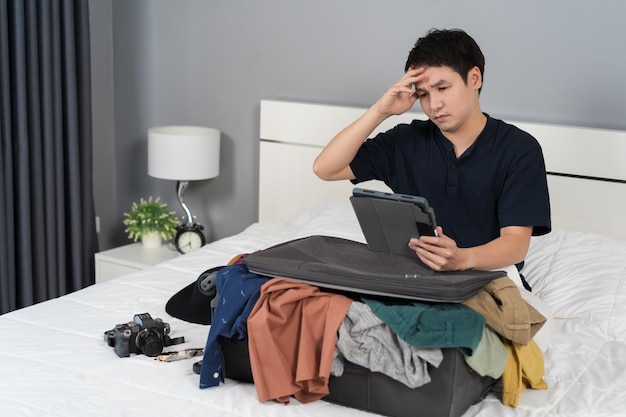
292 332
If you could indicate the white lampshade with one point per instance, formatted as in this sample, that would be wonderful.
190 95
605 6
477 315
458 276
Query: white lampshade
183 153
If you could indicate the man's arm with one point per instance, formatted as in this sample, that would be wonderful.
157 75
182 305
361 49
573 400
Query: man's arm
442 254
333 163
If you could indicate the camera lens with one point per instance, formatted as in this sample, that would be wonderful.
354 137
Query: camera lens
149 342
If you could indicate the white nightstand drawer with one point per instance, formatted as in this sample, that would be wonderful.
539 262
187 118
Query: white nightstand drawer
107 270
127 259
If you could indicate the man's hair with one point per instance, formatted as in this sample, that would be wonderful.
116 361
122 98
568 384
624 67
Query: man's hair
447 48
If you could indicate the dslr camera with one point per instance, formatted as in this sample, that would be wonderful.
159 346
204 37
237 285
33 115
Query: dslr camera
142 335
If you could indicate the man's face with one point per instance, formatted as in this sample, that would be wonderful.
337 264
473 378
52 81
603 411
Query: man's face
445 97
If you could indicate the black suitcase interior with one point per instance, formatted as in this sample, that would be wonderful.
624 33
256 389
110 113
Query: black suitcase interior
454 386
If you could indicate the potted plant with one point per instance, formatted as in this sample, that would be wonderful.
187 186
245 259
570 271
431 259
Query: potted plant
151 222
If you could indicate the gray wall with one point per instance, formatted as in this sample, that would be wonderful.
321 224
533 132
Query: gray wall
210 63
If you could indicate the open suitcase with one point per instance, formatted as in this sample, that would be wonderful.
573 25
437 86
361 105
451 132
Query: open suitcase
348 266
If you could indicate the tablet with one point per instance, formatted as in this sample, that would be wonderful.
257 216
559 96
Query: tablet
389 220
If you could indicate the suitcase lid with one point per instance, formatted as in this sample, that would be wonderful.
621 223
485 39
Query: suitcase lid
347 265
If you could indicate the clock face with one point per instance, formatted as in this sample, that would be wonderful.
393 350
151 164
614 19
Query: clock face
189 240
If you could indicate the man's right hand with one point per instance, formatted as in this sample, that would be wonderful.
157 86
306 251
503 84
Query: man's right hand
401 96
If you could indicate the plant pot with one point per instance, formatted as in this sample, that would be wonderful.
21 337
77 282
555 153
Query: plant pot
151 240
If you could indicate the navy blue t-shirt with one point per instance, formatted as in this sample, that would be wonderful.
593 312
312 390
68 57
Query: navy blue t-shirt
498 181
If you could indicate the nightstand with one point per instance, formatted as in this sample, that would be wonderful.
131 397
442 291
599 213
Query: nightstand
126 259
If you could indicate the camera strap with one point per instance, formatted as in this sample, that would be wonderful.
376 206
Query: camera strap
168 341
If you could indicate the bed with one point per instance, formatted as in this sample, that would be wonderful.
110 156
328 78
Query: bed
54 361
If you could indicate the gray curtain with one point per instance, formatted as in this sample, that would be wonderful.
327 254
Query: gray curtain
47 221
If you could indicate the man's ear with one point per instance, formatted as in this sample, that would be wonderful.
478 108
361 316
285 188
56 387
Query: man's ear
475 78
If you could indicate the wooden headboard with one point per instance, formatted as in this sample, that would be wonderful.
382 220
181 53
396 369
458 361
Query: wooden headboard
586 167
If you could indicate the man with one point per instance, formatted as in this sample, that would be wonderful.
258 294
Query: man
484 178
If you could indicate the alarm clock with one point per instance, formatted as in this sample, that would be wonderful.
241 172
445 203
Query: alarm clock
189 238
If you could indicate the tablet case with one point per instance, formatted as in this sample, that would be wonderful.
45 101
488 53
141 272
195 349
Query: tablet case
389 221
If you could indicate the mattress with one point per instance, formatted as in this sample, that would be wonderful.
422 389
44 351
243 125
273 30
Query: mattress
55 362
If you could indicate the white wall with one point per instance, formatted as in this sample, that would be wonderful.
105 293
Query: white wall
211 62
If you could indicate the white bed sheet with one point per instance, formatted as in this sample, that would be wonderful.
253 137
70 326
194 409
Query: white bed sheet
54 362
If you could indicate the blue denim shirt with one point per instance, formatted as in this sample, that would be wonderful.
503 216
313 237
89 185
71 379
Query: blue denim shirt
238 290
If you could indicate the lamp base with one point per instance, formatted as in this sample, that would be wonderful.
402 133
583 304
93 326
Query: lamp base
189 236
181 186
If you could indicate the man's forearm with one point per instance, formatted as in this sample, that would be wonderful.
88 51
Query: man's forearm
508 249
333 163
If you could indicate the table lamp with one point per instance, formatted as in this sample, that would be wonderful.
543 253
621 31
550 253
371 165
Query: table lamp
184 153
